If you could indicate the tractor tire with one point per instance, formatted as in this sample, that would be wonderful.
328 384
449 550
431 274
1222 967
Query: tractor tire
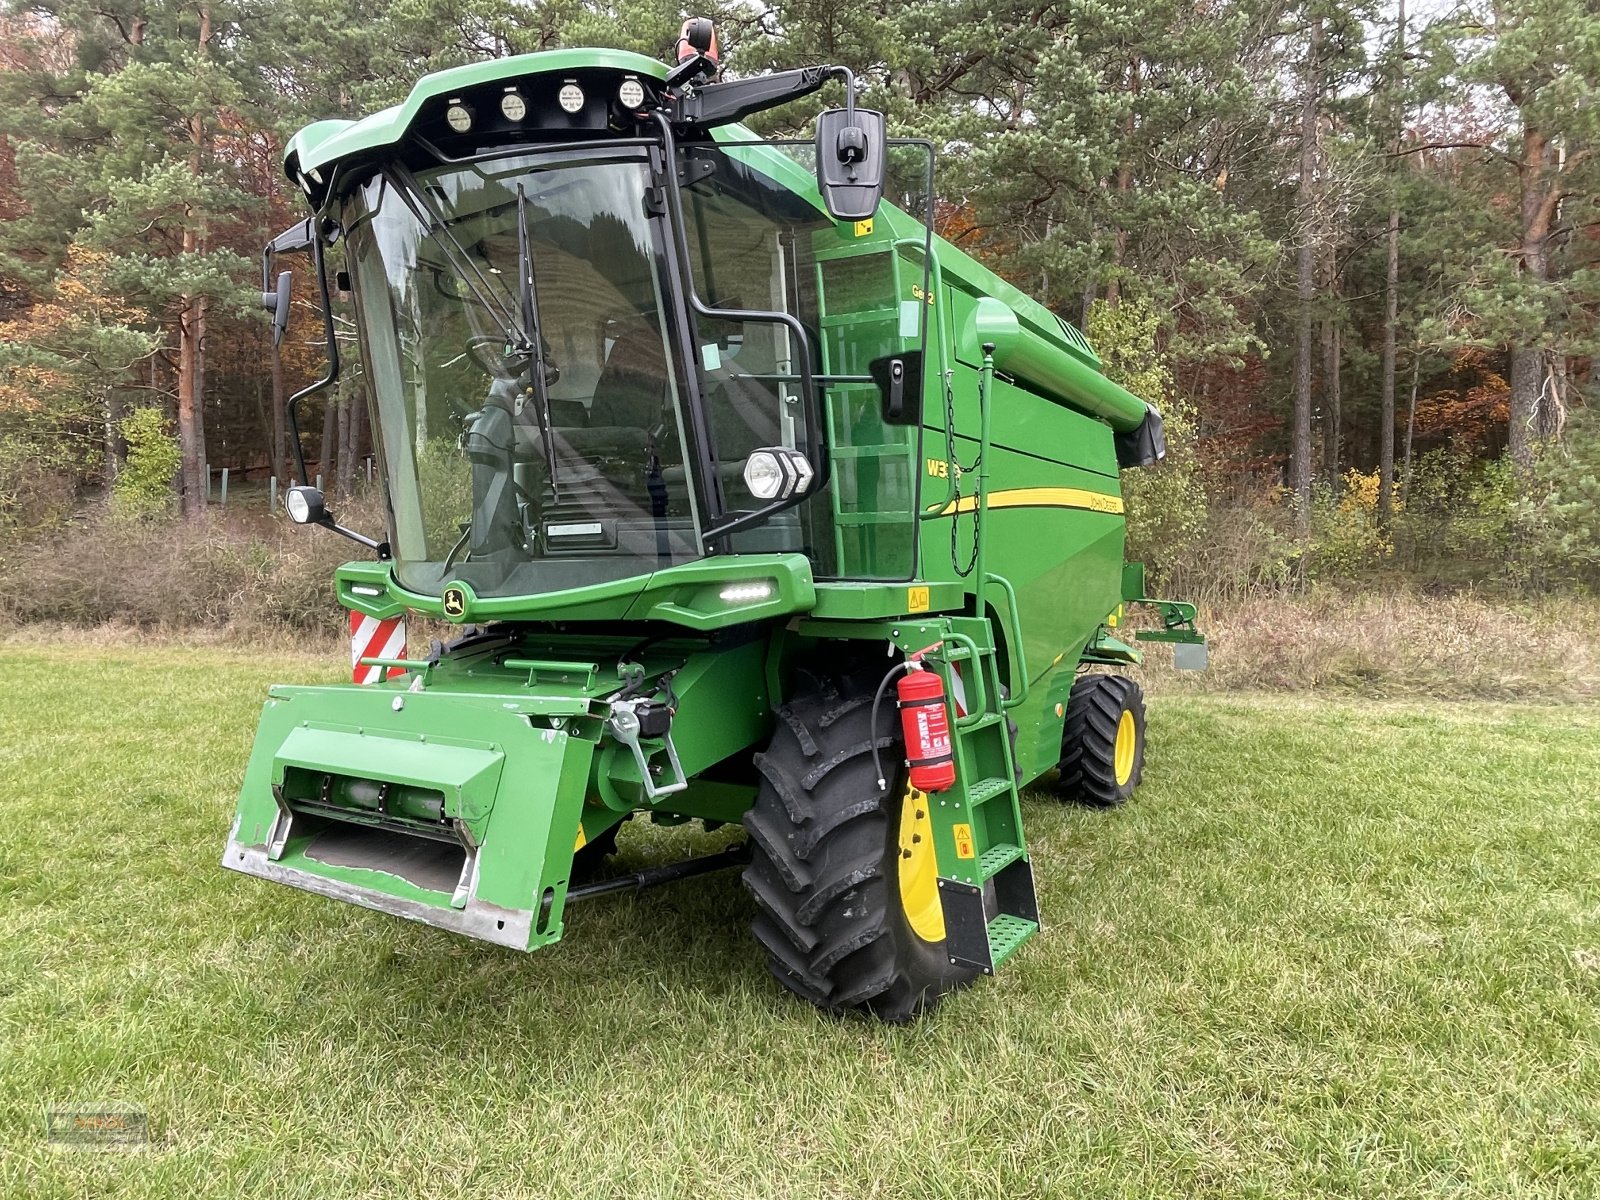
1102 745
843 875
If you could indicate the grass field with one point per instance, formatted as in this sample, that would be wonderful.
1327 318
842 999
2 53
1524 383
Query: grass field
1333 948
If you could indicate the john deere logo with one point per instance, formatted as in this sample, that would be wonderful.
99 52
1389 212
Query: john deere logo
455 602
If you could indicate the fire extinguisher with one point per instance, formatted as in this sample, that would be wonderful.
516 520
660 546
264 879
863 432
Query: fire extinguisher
925 722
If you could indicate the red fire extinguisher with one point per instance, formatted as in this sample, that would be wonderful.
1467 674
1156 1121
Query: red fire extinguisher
926 724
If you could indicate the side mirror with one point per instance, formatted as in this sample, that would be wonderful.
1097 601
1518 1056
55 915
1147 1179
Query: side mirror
852 151
276 302
275 297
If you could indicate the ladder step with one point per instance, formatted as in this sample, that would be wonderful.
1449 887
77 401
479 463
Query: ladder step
1006 934
987 789
996 859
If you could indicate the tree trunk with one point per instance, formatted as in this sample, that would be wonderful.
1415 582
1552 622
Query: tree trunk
1123 183
115 448
1391 315
1391 296
1411 425
191 430
345 471
1332 370
1300 446
362 440
192 333
327 453
1540 197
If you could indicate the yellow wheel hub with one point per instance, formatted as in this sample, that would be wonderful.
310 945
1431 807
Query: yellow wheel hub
1127 743
919 869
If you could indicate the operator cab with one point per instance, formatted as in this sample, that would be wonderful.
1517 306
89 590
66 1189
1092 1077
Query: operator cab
606 332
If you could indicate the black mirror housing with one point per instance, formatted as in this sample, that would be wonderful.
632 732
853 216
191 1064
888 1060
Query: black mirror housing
852 154
276 302
297 238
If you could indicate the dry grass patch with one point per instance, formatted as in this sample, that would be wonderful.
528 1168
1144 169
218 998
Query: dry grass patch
1446 647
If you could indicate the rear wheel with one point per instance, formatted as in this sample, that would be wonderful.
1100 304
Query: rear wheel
1102 745
844 875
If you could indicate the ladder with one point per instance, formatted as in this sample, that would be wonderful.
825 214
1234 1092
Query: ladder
989 901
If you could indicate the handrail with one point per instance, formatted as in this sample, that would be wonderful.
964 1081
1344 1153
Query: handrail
1019 662
978 703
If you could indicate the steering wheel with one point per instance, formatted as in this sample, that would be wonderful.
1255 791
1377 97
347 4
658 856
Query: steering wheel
488 352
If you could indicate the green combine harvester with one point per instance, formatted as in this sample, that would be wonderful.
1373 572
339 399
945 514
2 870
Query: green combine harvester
756 502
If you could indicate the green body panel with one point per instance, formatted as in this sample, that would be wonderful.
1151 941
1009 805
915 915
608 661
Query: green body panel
503 753
687 594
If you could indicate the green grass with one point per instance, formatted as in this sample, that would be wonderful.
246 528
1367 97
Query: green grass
1332 948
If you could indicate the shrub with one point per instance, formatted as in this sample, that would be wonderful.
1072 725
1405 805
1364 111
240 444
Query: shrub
143 488
246 573
36 495
1166 503
1464 522
1347 539
1564 508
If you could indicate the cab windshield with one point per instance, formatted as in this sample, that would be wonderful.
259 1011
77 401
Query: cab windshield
523 456
555 413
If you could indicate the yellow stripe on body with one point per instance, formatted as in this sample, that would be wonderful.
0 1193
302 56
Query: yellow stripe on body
1039 497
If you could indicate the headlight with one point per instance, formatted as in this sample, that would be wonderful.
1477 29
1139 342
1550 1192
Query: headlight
762 475
304 505
777 472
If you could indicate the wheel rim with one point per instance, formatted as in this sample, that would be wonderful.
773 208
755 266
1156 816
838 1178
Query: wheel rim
918 869
1127 741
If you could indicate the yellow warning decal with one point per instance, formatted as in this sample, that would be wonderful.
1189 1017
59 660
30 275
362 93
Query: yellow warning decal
582 840
863 228
916 599
963 836
1039 497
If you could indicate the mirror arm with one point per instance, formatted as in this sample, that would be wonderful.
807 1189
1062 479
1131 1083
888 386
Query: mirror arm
328 522
723 103
292 409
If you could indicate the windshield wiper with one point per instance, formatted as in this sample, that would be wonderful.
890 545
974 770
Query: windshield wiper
416 200
450 559
529 296
522 337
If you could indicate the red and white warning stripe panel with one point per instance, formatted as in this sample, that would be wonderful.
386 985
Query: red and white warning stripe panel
372 638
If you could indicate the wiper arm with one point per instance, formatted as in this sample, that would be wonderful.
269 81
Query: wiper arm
450 559
528 295
411 193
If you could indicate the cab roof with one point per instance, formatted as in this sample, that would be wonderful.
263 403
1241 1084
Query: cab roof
323 143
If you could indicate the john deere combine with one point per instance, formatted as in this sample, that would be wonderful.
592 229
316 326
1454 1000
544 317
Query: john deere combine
755 501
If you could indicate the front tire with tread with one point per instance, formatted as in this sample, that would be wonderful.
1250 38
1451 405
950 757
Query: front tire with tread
825 857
